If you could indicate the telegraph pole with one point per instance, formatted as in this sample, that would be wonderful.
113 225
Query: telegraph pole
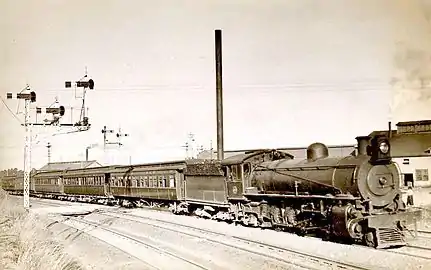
28 98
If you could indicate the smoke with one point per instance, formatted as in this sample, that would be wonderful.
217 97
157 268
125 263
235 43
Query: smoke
412 62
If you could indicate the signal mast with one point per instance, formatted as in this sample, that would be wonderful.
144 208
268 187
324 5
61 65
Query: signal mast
28 97
57 111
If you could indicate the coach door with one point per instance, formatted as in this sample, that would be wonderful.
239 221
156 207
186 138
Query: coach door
107 185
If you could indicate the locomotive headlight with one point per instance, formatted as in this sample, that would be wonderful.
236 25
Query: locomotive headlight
384 147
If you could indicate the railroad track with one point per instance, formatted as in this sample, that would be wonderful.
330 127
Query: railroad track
148 260
414 247
295 257
424 234
46 202
415 251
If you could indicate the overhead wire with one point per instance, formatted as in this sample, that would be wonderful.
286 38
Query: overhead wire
254 89
338 86
13 114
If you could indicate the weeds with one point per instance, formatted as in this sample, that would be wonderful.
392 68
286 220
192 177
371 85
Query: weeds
26 243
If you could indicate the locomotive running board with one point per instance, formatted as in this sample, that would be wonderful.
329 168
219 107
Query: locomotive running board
390 220
289 196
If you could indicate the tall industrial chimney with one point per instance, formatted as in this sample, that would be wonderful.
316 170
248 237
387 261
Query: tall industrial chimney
363 142
219 91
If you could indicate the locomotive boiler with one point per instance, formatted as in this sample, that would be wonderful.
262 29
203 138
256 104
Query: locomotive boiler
376 180
356 197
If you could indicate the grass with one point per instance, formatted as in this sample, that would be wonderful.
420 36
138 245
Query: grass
26 243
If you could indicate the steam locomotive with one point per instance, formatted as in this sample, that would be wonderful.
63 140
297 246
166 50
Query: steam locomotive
354 198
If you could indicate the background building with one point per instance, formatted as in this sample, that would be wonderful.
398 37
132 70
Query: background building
411 145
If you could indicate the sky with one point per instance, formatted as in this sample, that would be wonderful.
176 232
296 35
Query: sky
294 72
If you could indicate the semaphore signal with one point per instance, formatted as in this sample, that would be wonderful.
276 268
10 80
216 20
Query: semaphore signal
85 83
28 97
57 112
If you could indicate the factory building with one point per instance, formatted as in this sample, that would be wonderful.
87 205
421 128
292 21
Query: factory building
411 147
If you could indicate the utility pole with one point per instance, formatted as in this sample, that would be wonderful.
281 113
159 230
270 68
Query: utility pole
49 152
219 94
186 146
28 97
120 135
192 144
104 131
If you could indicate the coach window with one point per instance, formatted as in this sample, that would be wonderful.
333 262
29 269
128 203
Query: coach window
150 181
247 169
236 172
225 172
162 181
155 181
171 181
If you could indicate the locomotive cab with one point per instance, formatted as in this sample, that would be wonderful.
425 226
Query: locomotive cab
238 169
379 150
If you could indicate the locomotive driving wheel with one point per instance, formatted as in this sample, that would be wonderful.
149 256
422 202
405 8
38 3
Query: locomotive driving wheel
290 216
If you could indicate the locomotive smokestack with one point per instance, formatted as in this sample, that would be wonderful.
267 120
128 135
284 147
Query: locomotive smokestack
363 142
219 91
